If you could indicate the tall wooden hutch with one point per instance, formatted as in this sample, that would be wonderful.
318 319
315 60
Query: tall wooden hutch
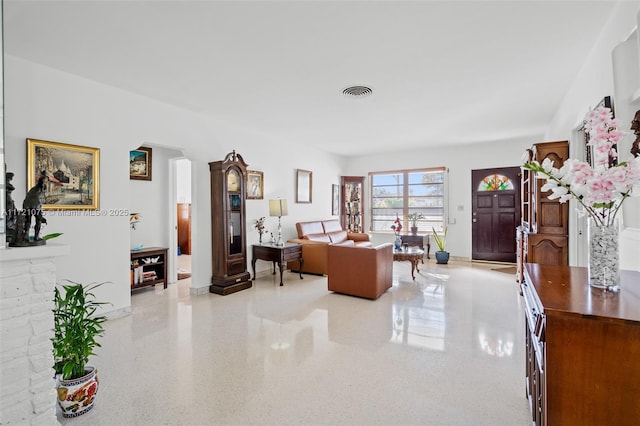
543 235
352 209
228 230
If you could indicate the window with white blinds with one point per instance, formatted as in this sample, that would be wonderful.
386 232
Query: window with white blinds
400 193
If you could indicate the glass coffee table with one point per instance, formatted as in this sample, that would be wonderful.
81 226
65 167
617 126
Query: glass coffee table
413 255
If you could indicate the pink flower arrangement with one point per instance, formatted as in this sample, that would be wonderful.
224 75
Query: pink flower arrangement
600 190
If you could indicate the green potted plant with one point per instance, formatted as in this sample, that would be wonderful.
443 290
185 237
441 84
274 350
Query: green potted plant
414 218
442 256
76 327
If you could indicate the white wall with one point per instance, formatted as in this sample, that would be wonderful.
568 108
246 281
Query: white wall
47 104
183 176
151 200
611 69
3 239
460 160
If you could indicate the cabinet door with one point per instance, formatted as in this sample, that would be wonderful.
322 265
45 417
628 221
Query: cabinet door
519 254
235 228
548 249
549 216
352 218
526 179
552 217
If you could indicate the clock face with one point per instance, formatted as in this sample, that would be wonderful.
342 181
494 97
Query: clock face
233 180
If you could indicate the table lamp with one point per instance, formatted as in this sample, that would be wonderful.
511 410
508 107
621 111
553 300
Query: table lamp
278 208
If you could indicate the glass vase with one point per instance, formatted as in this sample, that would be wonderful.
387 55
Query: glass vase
604 259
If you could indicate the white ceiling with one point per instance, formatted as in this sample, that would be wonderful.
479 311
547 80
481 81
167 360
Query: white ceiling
442 72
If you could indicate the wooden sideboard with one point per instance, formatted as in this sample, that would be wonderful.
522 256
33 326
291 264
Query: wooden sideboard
582 348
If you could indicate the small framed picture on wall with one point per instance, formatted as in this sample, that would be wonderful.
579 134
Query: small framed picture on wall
140 162
303 186
255 185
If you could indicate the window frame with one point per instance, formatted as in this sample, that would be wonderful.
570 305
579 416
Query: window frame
404 210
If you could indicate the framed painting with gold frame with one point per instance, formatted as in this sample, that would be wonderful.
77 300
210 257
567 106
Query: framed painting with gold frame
73 174
255 185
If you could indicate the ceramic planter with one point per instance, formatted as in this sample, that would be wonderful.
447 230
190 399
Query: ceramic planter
76 396
442 257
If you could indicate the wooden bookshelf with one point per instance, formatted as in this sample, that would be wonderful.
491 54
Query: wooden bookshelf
145 274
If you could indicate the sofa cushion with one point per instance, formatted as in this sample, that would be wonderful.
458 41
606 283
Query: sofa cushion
309 228
324 238
331 226
338 236
362 243
350 243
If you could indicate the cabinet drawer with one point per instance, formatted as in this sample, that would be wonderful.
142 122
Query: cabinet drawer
295 253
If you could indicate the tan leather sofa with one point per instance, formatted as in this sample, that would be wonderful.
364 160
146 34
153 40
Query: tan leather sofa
316 237
360 271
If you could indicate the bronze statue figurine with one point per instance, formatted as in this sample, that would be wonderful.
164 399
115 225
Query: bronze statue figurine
31 207
11 213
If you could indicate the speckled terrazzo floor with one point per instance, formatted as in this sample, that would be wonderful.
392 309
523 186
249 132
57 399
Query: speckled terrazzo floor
446 349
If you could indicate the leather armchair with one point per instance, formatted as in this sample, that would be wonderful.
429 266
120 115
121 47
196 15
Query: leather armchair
360 271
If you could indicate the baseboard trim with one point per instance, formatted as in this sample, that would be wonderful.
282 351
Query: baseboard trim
198 291
118 313
494 262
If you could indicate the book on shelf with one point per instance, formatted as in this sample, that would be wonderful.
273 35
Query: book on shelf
149 276
139 275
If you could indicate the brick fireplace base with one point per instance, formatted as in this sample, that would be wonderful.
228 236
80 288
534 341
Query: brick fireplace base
27 387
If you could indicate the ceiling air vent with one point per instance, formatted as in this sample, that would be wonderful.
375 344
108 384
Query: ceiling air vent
357 91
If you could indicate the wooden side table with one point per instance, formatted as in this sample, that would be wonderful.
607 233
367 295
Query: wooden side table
417 241
413 255
277 254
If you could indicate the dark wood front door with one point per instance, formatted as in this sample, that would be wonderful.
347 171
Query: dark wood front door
495 213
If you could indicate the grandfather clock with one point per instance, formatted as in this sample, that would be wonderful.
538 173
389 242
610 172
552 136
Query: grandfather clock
228 229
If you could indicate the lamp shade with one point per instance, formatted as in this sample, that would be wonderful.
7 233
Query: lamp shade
278 207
